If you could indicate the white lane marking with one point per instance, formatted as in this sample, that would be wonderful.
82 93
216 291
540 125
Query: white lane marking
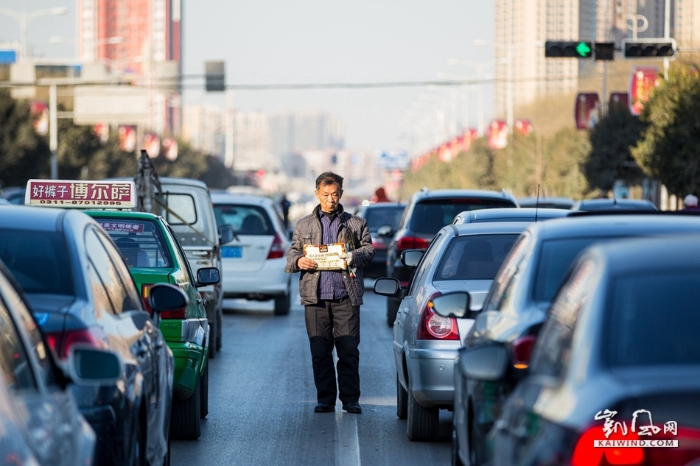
347 445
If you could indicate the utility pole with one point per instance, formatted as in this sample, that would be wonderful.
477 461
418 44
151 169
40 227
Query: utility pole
667 31
53 131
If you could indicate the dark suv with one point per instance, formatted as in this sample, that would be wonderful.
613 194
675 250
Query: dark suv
427 212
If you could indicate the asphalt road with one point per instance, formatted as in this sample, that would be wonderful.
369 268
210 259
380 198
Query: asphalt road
261 399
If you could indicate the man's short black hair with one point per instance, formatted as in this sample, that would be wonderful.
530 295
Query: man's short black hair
326 178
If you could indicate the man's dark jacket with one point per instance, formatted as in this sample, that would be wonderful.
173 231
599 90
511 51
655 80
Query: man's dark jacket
353 231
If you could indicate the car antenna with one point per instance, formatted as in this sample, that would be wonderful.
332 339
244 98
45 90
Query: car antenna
537 202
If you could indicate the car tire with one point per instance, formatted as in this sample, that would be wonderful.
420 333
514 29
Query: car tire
219 329
186 421
456 461
213 328
392 308
204 383
166 460
282 304
422 422
475 455
401 400
138 445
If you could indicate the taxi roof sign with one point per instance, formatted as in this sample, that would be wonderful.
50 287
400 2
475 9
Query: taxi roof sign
81 194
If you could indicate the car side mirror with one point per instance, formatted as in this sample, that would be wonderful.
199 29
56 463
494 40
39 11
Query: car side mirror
208 276
165 298
487 362
387 287
88 365
412 257
225 234
385 230
452 304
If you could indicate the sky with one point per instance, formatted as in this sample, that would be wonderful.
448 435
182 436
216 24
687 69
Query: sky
316 41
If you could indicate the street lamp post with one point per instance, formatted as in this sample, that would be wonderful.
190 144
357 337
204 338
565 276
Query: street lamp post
23 19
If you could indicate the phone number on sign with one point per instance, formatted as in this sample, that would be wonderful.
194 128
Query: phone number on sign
59 202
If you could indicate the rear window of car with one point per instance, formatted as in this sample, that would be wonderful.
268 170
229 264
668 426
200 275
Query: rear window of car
430 215
245 219
556 256
39 261
379 216
474 257
181 209
652 320
140 242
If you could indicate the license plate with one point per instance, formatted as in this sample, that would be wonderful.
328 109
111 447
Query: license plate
232 251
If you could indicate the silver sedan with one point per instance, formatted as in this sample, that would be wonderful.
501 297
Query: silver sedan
460 258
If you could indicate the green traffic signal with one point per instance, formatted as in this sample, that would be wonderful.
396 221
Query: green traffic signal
583 49
568 49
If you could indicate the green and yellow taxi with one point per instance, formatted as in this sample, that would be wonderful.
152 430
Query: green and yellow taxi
154 255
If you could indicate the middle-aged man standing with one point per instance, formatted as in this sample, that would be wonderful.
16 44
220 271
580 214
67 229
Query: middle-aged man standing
332 298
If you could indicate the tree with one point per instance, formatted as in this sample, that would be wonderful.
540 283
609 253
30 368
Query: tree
23 154
217 176
669 150
610 157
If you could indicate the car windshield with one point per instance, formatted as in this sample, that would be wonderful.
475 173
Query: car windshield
39 261
652 320
245 219
556 256
379 216
139 241
474 257
430 215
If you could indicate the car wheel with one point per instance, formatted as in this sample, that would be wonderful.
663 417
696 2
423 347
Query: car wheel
166 460
138 445
456 461
475 456
219 329
422 422
392 308
401 400
282 304
204 383
186 418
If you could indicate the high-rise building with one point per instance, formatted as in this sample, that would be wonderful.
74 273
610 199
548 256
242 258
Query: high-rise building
305 131
203 129
141 38
686 24
251 142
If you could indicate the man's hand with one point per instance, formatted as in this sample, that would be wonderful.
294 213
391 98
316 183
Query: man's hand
305 263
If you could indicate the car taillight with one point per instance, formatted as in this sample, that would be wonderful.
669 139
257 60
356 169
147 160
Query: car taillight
378 244
522 350
411 242
435 327
62 341
277 249
586 453
145 289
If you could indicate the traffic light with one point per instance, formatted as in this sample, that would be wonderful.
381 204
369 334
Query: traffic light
571 49
215 77
605 50
648 48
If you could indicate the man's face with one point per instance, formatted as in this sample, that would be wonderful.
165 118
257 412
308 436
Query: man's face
329 197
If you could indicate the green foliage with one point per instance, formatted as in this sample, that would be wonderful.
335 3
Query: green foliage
610 157
189 163
554 163
217 176
670 147
23 154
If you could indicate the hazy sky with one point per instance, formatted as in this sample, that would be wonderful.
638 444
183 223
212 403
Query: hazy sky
301 41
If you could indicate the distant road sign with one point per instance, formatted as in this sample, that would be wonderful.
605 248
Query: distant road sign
391 160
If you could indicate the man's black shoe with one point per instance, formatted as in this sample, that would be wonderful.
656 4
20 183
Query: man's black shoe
353 407
324 408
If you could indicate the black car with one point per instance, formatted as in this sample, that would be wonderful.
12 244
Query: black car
40 421
617 363
516 306
82 293
382 220
426 213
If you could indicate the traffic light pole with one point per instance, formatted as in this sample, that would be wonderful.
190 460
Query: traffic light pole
667 31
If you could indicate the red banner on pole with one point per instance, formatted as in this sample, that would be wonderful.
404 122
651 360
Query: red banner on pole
497 134
523 126
619 100
643 81
586 110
